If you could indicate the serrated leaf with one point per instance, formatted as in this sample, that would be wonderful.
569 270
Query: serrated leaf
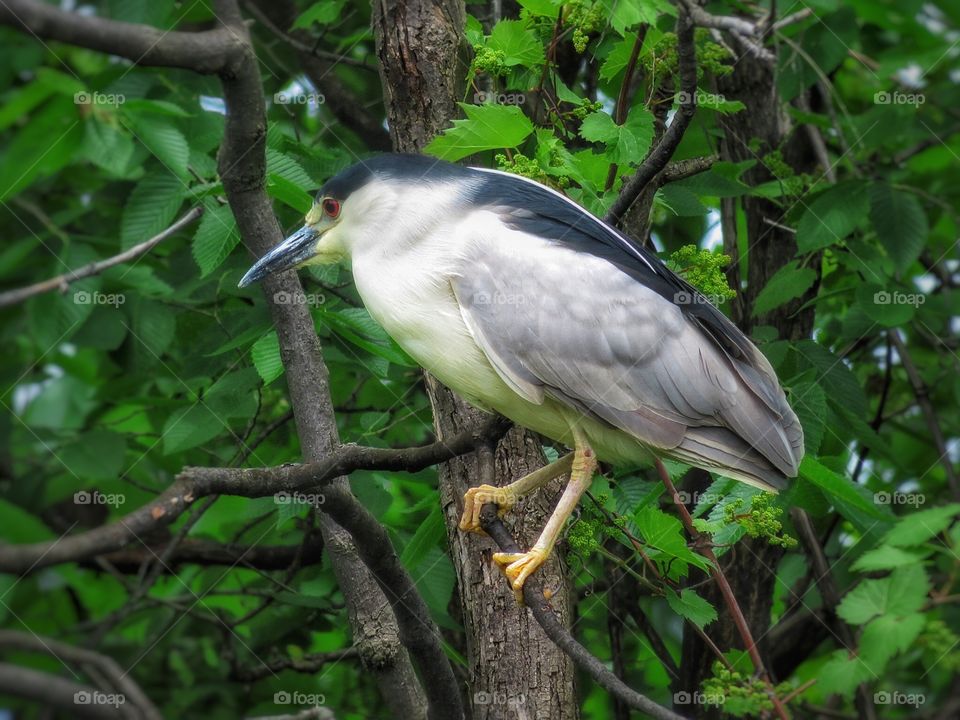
665 533
519 45
789 282
618 57
486 127
692 607
265 355
842 673
809 401
289 193
900 223
282 165
902 592
885 557
628 142
918 527
886 636
215 239
164 142
150 208
105 146
832 216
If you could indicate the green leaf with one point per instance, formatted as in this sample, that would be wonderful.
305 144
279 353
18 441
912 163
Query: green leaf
629 142
618 57
692 607
289 193
265 355
150 208
809 401
789 282
902 592
900 223
486 127
842 673
215 239
519 45
665 533
832 216
164 142
284 166
885 307
17 526
189 427
885 557
321 13
95 455
840 490
541 8
429 535
886 636
918 527
105 146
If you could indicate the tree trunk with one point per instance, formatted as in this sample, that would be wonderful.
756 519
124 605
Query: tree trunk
515 670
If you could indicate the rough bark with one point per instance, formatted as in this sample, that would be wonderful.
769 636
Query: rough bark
421 49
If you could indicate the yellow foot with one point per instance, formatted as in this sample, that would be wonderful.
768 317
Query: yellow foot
479 496
519 566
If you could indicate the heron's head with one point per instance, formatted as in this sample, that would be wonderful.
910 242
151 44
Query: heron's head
374 204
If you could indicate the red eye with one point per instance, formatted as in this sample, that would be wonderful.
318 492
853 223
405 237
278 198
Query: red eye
331 207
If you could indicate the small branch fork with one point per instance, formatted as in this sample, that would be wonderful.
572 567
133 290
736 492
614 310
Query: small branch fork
729 598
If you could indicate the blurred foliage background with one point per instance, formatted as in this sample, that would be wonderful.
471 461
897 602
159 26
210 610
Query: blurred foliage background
113 385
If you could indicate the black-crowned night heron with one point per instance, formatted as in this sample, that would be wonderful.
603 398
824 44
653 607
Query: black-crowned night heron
525 304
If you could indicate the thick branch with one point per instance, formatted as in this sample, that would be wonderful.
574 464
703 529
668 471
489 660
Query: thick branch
207 52
52 691
663 151
62 282
195 483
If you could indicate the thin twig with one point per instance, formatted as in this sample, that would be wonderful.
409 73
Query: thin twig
62 282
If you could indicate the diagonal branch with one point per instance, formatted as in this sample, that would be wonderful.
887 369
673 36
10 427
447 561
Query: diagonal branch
62 282
533 596
660 155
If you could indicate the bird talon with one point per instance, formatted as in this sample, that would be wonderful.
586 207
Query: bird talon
520 566
474 500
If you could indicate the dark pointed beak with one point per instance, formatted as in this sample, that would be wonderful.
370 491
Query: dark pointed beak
296 249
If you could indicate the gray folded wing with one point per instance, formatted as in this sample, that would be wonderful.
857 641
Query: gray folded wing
573 325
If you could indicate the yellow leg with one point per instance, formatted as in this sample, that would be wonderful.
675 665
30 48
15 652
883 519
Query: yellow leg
519 566
506 497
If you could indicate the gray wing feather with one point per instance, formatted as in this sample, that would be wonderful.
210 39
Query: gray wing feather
572 325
